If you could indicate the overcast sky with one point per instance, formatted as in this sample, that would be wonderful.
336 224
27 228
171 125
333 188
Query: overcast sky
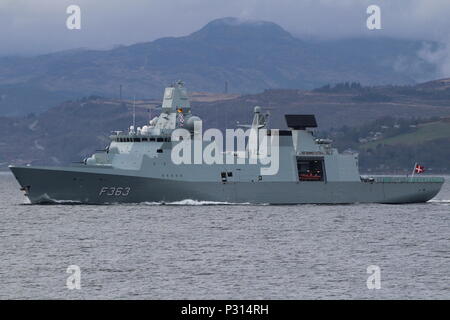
39 26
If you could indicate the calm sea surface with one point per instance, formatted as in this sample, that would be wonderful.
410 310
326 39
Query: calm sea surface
200 251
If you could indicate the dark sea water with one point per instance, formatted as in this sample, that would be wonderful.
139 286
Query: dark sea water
199 251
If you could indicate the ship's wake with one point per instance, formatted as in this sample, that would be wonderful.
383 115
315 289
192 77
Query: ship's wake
185 202
191 202
440 201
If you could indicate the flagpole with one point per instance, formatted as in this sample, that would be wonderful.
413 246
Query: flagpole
414 169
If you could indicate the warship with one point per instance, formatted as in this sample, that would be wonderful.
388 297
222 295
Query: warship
138 166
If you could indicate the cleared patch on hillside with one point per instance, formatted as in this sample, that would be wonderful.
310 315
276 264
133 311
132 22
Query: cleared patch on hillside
423 133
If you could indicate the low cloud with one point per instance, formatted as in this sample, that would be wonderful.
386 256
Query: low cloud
439 56
30 26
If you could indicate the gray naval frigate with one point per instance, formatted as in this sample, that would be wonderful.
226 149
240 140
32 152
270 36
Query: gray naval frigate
138 166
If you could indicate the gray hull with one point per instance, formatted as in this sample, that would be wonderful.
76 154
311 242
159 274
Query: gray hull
80 185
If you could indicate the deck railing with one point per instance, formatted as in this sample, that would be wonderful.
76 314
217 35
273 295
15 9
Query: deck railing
408 179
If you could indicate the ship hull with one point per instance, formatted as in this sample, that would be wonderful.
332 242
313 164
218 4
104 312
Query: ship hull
106 186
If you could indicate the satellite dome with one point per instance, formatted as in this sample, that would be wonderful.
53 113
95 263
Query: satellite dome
189 124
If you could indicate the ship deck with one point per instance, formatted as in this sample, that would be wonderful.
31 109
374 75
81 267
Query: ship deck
409 179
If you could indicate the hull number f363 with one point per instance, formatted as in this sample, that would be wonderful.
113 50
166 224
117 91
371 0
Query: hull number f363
115 191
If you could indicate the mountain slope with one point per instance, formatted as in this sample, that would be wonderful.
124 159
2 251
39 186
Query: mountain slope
251 56
394 145
422 133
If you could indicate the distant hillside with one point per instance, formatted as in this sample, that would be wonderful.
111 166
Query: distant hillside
417 135
249 56
76 128
342 104
394 145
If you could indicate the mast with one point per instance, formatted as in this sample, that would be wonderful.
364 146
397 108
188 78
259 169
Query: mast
134 112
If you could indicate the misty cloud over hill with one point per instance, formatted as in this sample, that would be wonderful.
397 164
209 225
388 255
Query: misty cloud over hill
249 55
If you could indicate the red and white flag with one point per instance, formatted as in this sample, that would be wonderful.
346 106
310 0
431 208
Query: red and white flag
180 117
419 169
